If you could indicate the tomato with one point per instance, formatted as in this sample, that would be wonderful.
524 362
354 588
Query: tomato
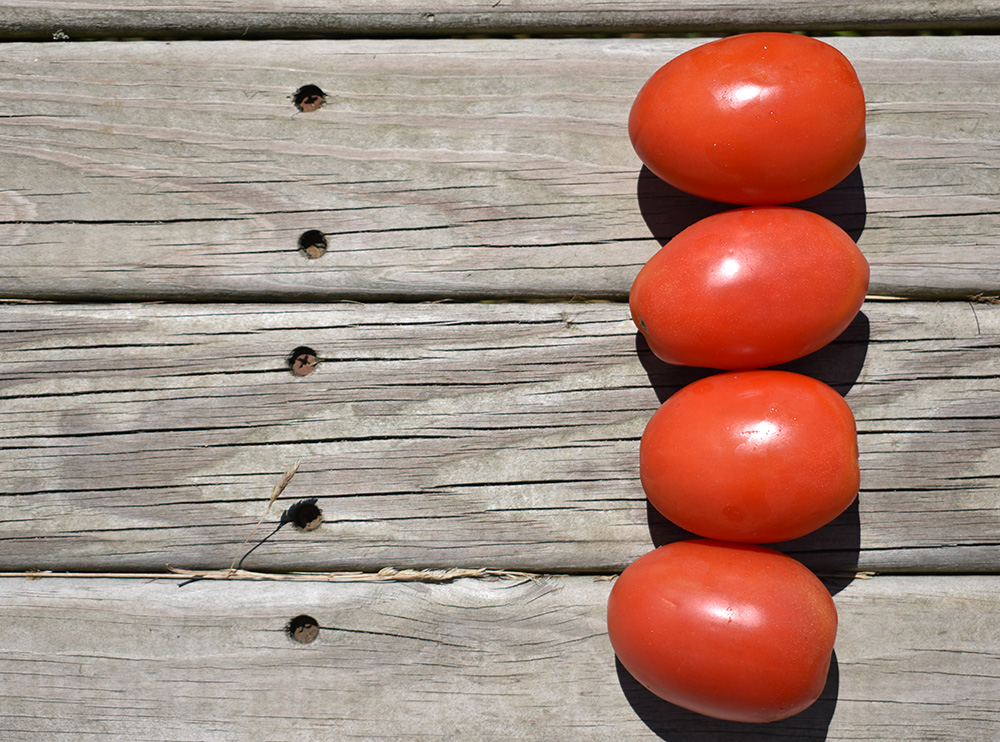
759 456
759 118
749 288
734 631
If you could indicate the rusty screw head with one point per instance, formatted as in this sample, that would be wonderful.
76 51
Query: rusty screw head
309 98
313 243
303 361
303 629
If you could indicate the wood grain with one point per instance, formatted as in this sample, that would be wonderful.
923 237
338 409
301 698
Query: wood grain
121 659
451 436
64 19
437 169
445 435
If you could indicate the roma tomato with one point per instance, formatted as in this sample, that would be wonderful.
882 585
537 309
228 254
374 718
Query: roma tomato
733 631
749 288
758 456
759 118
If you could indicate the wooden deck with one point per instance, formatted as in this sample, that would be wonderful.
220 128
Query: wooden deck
469 430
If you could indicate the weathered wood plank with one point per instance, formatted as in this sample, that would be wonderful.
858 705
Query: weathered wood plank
499 435
916 658
61 19
447 168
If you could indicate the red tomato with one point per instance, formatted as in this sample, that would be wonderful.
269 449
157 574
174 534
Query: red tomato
760 118
749 288
759 456
733 631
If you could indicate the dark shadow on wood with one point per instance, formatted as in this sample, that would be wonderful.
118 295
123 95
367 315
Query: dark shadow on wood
666 378
844 204
305 515
239 564
676 724
831 551
668 210
838 364
663 531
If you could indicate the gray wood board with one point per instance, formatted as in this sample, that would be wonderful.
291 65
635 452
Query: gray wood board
59 19
499 435
137 660
437 169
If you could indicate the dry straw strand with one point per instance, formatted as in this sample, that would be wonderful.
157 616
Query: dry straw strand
387 574
275 494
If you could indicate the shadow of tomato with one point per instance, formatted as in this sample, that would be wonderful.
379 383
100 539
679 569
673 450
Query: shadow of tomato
837 364
667 210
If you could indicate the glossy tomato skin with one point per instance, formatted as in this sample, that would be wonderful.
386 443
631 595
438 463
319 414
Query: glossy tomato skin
749 288
752 456
759 118
732 631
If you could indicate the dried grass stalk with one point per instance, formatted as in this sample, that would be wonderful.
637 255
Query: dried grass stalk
275 494
387 574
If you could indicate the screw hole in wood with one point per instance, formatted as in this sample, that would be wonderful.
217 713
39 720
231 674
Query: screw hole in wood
303 629
309 98
303 361
313 243
304 515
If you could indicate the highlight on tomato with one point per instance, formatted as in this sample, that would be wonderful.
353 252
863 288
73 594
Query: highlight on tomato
749 288
752 456
732 631
758 118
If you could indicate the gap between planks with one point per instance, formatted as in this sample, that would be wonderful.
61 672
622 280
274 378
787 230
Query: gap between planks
61 21
386 574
